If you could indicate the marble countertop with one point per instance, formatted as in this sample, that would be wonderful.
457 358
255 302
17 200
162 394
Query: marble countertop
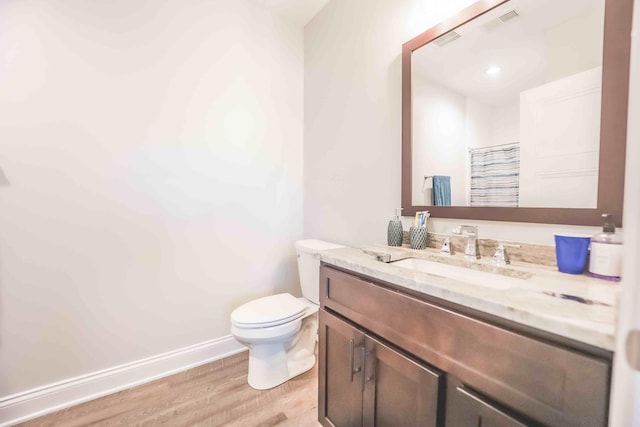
525 302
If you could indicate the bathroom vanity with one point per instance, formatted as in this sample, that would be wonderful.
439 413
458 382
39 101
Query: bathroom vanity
404 347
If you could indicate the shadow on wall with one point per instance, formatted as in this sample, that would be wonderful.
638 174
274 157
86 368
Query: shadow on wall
4 181
2 310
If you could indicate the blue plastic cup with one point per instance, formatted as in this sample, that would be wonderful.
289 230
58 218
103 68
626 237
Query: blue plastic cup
571 252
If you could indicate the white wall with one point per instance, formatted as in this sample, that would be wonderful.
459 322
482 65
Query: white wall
439 124
353 121
351 126
569 54
153 153
489 125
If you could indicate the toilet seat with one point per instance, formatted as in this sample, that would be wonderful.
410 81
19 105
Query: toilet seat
269 311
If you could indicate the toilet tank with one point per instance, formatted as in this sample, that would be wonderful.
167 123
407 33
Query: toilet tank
309 266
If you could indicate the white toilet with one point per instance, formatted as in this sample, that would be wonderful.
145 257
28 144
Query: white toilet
281 330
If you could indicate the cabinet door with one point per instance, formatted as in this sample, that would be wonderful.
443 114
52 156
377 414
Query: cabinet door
340 372
467 409
397 390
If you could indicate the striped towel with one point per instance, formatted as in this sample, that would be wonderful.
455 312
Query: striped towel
495 176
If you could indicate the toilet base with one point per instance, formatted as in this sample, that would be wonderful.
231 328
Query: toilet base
271 364
267 366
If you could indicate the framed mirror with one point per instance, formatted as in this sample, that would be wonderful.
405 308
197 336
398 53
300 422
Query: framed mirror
517 111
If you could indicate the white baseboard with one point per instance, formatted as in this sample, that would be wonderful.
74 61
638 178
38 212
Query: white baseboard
53 397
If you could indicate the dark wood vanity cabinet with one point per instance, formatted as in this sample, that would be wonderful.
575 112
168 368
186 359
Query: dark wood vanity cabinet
388 358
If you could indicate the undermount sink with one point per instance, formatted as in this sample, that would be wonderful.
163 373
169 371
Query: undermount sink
463 274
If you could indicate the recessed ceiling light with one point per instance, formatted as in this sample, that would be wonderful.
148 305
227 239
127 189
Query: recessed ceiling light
493 70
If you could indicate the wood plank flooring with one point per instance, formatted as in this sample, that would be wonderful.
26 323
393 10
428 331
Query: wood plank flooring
215 394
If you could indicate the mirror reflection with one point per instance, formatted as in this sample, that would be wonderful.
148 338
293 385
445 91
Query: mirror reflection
506 108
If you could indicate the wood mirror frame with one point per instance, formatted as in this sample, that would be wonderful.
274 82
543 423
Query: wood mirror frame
613 126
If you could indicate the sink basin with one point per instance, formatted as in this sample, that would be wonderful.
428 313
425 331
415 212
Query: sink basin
463 274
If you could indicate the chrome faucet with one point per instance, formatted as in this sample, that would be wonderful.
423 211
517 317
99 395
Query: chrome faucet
471 250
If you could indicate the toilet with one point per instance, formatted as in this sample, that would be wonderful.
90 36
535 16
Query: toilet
281 330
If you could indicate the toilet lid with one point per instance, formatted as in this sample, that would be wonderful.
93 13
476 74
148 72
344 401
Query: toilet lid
268 311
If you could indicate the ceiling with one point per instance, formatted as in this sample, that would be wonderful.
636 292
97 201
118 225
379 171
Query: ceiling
519 46
297 11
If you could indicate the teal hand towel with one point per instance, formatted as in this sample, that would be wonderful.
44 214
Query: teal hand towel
441 190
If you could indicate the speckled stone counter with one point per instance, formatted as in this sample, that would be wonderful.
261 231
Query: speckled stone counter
525 302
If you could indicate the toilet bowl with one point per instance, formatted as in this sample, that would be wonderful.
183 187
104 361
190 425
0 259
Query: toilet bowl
281 330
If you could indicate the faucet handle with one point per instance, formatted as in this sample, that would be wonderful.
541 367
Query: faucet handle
446 247
501 257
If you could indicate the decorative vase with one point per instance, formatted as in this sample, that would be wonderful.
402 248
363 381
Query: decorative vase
394 233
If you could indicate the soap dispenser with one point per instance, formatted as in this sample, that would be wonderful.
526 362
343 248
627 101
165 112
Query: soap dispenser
606 252
394 230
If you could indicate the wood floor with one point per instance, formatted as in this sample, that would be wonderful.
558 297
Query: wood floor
215 394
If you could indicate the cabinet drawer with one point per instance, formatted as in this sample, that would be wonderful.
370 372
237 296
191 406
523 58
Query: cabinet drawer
467 408
555 386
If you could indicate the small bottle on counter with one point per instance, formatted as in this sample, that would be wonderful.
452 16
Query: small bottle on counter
606 252
394 230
